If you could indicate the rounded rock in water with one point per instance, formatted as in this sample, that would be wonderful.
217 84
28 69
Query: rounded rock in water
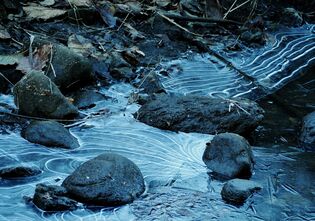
107 180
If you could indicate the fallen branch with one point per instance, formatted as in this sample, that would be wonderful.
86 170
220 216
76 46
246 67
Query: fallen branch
178 25
197 19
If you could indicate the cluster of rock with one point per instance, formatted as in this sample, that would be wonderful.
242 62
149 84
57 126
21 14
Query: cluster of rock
108 179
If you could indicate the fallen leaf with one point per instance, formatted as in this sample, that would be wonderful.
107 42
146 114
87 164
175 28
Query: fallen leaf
40 12
38 61
47 2
80 3
10 59
133 33
80 45
4 34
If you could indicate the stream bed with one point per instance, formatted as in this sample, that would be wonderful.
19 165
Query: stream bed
177 182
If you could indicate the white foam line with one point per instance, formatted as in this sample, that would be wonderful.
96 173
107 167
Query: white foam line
293 73
271 49
278 56
284 62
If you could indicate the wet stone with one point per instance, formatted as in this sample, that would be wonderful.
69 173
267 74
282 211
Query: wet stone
307 135
53 198
200 114
50 134
36 95
229 155
18 172
107 180
237 190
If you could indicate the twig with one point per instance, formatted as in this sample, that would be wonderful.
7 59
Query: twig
6 79
123 22
228 12
178 25
197 19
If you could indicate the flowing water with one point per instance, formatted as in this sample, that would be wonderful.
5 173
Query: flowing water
178 186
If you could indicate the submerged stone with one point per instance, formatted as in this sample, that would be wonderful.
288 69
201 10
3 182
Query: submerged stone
50 134
53 198
237 190
200 114
229 156
307 135
18 172
108 180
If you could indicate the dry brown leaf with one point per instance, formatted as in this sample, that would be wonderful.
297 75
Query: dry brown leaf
40 12
38 61
47 2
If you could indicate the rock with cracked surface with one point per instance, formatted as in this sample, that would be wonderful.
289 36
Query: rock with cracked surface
200 114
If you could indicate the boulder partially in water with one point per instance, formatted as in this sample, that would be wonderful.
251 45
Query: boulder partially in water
18 172
53 198
200 114
291 17
229 156
36 95
236 191
307 135
49 133
107 180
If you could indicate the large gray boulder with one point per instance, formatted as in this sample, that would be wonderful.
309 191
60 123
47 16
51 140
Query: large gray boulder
200 114
53 198
229 156
236 191
36 95
107 180
50 134
307 135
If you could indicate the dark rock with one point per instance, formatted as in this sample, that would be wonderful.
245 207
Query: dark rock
53 198
84 99
229 156
291 17
200 114
124 74
36 95
236 191
107 180
253 36
150 83
307 135
49 133
18 172
70 69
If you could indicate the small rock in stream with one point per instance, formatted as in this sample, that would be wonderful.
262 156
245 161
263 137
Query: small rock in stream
107 180
50 134
53 198
200 114
84 99
36 95
291 17
307 135
229 156
236 191
18 172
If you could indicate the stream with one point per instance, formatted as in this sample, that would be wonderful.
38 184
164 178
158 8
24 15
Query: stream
178 186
